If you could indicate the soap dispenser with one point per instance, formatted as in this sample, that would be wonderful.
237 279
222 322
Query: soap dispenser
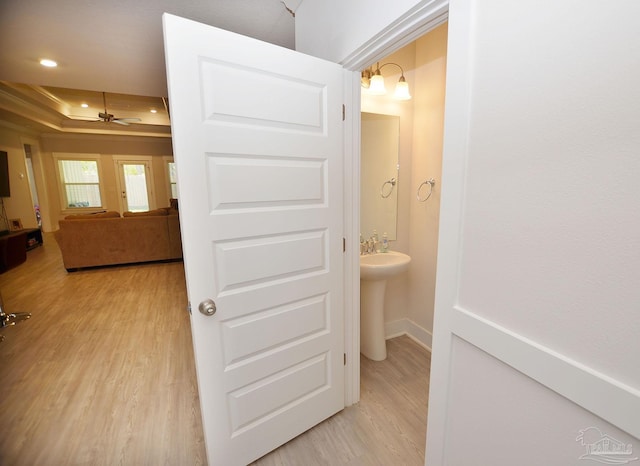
385 242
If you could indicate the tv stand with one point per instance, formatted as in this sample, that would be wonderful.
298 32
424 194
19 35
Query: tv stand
34 238
14 247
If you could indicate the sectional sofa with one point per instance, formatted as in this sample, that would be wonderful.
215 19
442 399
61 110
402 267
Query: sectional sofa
107 238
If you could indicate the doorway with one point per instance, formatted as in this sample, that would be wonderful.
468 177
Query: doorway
134 178
410 298
409 301
405 30
33 188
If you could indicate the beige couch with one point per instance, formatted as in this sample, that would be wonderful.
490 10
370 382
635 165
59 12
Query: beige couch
108 239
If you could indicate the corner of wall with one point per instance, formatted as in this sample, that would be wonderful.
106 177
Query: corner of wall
428 138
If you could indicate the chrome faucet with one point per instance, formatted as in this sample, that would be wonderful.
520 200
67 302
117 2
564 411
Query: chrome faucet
369 246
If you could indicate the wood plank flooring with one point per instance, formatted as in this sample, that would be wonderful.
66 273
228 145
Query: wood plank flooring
103 374
388 425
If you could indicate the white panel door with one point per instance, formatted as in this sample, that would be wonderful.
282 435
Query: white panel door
257 136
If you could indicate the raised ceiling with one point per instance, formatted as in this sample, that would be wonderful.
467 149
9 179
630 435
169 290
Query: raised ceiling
46 109
116 46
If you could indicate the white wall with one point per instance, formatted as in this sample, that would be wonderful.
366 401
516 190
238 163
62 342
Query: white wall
333 29
536 332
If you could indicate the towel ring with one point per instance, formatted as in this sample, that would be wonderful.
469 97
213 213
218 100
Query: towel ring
392 182
431 182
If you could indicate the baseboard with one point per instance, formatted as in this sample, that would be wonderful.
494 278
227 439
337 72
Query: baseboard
408 327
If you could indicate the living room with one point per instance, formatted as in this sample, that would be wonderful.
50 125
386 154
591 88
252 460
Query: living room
60 168
38 171
103 372
105 347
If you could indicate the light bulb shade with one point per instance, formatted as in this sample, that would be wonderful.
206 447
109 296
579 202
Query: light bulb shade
376 86
402 91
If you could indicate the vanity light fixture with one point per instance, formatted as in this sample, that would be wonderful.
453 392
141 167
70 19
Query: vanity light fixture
48 63
374 81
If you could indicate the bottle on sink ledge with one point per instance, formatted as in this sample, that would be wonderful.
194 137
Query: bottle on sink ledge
385 242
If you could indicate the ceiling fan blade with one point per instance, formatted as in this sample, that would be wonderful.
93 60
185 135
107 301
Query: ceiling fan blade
128 120
82 118
120 122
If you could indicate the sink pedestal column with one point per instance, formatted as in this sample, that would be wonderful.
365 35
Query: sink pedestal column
372 341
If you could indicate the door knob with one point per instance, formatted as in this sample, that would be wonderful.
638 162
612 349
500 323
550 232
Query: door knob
207 307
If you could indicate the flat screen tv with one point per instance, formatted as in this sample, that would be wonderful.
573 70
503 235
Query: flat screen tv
4 175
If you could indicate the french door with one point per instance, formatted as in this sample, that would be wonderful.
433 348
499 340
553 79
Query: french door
134 184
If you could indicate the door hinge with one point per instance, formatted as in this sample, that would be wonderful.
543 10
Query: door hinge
189 307
344 112
344 244
345 358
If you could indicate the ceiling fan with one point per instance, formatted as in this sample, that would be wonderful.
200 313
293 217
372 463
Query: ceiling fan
107 117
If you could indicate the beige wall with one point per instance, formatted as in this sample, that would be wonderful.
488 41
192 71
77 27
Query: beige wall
428 135
20 205
396 299
411 296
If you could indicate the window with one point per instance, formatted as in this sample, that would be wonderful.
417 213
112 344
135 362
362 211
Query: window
80 182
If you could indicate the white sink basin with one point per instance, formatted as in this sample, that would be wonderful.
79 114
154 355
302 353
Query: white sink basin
383 265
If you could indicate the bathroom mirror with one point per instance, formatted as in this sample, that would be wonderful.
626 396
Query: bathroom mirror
379 174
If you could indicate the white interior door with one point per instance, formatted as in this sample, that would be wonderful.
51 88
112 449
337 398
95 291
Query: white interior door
257 136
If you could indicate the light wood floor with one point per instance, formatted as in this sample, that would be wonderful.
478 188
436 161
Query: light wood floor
387 427
103 374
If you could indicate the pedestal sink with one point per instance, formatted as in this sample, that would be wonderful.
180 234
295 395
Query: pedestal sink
375 269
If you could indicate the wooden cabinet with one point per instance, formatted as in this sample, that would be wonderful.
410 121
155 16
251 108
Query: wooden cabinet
14 247
34 238
12 250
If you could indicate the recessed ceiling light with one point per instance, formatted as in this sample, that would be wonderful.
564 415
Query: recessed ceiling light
48 63
153 110
84 105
